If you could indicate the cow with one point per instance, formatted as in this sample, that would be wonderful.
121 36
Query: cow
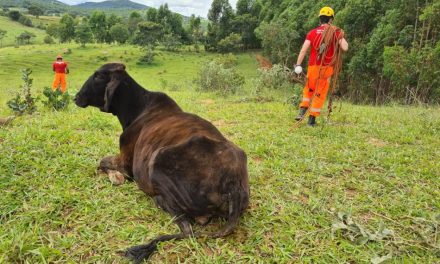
180 160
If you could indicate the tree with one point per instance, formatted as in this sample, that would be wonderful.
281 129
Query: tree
35 10
246 22
98 25
195 31
14 15
171 42
147 37
66 28
152 15
53 30
231 43
277 39
220 16
133 20
24 20
83 34
119 33
25 37
2 35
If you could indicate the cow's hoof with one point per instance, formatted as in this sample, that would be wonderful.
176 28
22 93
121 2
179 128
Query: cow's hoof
107 163
116 178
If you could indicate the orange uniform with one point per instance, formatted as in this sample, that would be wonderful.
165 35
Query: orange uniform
319 73
60 69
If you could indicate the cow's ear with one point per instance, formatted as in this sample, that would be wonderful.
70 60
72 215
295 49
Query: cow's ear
115 79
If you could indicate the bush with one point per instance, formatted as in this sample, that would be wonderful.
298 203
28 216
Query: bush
216 77
56 100
227 60
24 20
275 78
14 15
148 57
48 40
24 102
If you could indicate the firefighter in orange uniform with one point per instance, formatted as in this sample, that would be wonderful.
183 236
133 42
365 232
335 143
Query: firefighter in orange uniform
320 69
60 68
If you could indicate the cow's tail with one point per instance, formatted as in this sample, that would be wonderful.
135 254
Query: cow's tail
237 202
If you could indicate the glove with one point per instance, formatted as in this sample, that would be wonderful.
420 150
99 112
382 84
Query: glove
298 69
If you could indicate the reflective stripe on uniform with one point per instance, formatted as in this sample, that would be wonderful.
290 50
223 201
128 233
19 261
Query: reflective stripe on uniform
315 110
306 99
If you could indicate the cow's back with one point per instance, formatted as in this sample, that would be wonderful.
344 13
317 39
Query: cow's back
163 129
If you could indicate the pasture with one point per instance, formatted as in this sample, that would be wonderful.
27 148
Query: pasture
14 29
378 164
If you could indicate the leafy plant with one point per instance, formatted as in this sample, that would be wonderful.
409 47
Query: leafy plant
56 99
24 102
216 77
356 233
227 60
276 77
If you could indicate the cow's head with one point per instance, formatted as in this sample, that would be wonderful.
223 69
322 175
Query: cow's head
99 89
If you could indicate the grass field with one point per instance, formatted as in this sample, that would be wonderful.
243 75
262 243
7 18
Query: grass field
378 164
14 29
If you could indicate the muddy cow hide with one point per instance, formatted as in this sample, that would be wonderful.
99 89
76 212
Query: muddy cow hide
179 159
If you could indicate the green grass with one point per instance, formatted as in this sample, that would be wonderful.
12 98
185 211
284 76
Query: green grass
14 29
380 164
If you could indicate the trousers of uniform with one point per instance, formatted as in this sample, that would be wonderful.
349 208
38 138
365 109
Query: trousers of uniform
316 89
59 81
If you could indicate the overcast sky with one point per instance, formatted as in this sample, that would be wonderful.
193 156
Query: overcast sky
184 7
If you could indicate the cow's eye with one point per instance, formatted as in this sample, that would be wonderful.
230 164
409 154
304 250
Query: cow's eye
99 76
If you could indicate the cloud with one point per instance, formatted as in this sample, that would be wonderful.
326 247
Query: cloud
184 7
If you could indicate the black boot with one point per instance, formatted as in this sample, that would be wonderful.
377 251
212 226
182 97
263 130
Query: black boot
302 112
312 121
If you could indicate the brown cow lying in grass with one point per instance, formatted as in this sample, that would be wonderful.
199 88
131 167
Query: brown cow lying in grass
179 159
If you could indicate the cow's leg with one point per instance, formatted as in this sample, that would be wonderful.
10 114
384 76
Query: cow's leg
111 167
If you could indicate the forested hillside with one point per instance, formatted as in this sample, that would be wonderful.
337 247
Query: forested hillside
394 45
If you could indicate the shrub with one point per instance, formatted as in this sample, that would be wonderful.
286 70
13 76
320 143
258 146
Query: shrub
216 77
48 40
24 20
227 60
14 15
56 100
148 57
275 78
24 102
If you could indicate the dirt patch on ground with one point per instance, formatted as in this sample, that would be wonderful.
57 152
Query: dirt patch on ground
222 123
207 102
351 192
377 142
257 160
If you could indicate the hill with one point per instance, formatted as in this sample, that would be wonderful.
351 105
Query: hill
14 29
51 6
112 4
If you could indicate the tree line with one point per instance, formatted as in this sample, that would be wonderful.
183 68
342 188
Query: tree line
394 45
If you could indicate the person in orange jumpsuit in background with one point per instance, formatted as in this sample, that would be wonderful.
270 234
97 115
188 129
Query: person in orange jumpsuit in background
319 71
60 68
